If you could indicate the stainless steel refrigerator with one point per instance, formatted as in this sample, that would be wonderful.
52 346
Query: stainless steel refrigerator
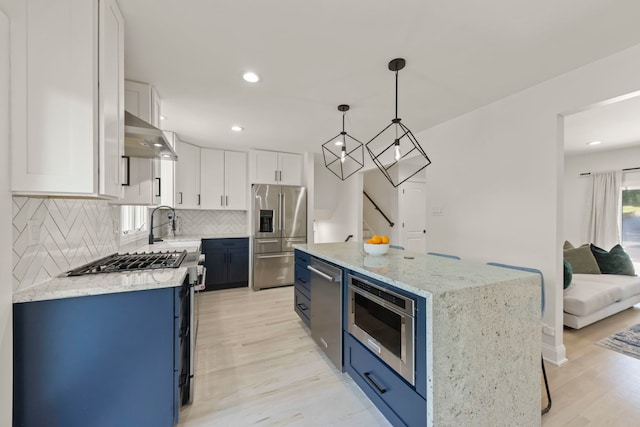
280 221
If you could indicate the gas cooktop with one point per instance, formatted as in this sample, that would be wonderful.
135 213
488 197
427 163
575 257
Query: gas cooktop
116 263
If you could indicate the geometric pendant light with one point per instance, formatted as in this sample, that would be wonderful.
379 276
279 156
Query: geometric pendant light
343 154
396 142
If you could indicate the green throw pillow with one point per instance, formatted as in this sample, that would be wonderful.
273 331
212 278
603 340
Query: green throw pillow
616 261
568 273
567 245
582 260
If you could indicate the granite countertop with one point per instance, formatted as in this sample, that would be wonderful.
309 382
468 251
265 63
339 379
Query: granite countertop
98 284
421 274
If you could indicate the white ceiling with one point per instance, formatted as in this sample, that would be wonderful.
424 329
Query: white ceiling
312 56
615 125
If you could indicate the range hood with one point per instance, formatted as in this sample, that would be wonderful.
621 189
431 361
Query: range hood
142 139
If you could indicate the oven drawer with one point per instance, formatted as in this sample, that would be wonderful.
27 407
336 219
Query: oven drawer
390 393
302 306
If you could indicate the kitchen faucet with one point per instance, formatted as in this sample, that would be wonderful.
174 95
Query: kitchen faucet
173 224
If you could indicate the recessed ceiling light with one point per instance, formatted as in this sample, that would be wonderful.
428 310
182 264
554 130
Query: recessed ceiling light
237 128
251 77
163 117
594 142
157 144
166 155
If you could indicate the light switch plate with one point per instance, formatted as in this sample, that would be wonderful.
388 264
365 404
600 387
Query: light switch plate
33 228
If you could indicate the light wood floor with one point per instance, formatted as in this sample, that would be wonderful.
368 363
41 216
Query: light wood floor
256 364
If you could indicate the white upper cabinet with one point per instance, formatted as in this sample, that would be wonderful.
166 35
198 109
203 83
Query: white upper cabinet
67 97
143 181
270 167
223 181
187 176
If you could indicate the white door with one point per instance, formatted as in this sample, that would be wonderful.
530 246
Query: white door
412 209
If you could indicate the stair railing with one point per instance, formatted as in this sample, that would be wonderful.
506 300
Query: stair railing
391 224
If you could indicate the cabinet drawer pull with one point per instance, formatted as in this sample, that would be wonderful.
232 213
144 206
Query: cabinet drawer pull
198 200
226 198
301 280
302 306
180 193
159 187
381 390
276 177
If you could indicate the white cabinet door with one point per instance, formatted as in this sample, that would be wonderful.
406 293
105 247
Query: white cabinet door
270 167
265 167
235 180
67 130
143 174
223 179
140 190
289 169
187 176
212 178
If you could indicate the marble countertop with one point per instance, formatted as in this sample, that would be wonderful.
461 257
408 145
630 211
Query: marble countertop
414 272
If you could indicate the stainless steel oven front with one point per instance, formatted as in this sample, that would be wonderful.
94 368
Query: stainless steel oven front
384 322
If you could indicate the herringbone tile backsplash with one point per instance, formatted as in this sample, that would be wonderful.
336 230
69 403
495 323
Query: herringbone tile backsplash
51 236
206 222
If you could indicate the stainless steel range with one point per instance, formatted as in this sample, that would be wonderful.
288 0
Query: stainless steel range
115 263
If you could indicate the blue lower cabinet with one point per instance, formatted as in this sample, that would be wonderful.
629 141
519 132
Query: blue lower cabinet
302 287
104 360
302 306
399 403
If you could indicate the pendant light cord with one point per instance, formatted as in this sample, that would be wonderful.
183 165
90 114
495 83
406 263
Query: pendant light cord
396 94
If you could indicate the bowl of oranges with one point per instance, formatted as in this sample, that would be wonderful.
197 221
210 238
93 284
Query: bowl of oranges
377 245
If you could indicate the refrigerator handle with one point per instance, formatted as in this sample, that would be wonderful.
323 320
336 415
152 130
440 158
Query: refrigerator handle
280 212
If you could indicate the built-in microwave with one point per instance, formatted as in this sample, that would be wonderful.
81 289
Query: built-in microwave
384 322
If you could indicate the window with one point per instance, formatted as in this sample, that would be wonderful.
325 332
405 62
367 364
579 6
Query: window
133 219
631 223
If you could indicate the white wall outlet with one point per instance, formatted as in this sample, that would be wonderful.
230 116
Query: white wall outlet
548 330
437 211
33 230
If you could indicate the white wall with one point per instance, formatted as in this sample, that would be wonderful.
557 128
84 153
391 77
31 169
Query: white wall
576 186
498 174
6 288
338 205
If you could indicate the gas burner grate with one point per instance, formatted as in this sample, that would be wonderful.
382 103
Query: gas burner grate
116 263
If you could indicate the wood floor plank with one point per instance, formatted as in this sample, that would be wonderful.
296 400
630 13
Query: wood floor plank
256 365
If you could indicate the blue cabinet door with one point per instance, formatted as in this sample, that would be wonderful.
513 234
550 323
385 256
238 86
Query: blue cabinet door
101 360
227 263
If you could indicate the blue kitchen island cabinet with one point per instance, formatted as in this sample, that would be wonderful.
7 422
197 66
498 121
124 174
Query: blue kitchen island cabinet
474 337
104 360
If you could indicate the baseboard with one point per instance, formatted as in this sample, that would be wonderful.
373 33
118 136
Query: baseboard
556 355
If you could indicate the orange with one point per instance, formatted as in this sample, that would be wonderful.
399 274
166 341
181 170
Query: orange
385 239
376 240
369 242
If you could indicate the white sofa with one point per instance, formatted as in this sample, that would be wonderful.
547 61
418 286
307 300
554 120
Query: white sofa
591 297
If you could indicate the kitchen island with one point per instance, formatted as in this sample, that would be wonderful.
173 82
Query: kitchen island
478 340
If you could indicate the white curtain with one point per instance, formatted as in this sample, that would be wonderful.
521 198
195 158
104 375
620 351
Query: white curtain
603 220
